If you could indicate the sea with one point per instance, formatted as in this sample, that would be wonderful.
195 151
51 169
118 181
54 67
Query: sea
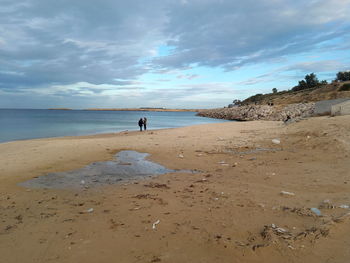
22 124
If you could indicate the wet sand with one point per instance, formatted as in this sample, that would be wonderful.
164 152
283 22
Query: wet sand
233 210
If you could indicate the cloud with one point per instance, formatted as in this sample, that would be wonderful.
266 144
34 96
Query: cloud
317 66
299 69
232 34
188 76
51 47
67 42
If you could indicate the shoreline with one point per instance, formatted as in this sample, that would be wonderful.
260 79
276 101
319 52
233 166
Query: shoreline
96 135
229 210
67 136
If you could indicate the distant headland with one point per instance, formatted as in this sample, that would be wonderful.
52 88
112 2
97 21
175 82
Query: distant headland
59 109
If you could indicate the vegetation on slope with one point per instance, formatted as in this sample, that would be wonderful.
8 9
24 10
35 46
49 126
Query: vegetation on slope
310 89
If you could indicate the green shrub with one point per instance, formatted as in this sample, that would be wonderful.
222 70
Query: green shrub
345 87
343 76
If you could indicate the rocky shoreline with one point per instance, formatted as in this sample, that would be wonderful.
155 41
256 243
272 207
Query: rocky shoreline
261 112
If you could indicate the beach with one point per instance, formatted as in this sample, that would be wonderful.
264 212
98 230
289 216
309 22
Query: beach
259 191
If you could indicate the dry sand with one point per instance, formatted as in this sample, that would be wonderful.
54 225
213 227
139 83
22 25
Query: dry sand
232 211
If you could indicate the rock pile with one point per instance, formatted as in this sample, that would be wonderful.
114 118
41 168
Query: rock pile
261 112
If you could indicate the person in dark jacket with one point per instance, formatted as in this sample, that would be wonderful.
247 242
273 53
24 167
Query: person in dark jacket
140 123
145 123
288 119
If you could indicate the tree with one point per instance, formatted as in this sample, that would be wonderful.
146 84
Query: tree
311 80
274 90
301 85
237 102
343 76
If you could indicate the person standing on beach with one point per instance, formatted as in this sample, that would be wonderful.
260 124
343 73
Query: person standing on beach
140 123
288 119
145 123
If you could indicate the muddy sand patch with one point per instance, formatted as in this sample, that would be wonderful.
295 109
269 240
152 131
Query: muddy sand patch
127 165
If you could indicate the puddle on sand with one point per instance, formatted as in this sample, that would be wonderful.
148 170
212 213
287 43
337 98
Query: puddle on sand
128 165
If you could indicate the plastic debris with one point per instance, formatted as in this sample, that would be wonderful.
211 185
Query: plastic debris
180 156
276 141
82 182
316 211
287 193
344 206
90 210
326 204
155 224
280 230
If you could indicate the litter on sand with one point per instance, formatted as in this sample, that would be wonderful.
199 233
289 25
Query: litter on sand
155 224
287 193
276 141
316 211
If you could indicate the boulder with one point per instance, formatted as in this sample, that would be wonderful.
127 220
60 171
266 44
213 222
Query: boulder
261 112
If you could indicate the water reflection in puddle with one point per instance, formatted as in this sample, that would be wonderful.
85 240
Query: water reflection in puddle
128 165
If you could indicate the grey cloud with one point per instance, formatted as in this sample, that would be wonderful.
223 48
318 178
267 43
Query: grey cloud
231 34
65 42
48 43
317 66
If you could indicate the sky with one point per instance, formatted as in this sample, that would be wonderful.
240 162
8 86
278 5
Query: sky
164 53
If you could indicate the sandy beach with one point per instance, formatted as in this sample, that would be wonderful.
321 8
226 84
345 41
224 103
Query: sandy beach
250 200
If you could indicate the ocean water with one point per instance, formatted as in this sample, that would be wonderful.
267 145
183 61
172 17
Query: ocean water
20 124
